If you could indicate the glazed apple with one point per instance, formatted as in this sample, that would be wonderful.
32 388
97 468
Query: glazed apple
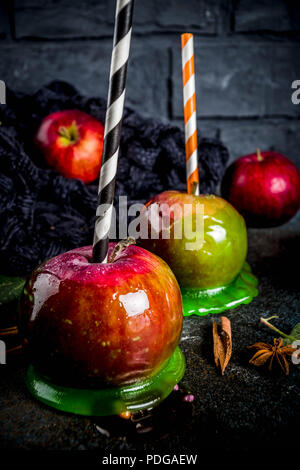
264 187
72 143
112 323
214 262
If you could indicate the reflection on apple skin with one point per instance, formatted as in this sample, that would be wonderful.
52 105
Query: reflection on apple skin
89 323
135 303
45 285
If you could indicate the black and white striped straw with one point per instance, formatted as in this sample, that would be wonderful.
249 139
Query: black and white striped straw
113 125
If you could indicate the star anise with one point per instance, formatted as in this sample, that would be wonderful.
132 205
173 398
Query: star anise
268 352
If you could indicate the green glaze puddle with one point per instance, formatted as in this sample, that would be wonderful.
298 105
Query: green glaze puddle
206 301
109 401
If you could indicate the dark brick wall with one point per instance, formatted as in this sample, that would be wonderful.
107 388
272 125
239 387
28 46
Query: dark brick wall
247 55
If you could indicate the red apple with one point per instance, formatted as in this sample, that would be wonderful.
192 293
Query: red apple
264 187
72 143
111 323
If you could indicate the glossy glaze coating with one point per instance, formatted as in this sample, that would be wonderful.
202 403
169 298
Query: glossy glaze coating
145 394
109 323
218 260
208 301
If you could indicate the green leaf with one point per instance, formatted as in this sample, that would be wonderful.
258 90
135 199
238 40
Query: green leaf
293 336
10 288
295 333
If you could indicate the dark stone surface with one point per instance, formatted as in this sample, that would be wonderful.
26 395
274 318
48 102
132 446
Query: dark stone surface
227 83
90 18
28 67
86 66
244 137
247 408
193 15
240 80
4 20
63 19
257 15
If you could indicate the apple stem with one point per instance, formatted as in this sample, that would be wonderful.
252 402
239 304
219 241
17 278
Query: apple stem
120 247
259 155
70 133
266 321
63 132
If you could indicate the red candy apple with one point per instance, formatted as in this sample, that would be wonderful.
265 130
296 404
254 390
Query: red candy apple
72 143
264 187
111 323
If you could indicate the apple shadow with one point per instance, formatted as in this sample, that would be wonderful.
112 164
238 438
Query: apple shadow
171 416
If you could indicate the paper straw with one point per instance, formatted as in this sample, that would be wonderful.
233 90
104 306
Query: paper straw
112 130
190 119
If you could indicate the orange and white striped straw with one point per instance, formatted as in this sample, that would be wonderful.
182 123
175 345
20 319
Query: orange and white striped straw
190 119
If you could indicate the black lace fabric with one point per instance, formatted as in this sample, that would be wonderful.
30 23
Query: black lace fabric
43 213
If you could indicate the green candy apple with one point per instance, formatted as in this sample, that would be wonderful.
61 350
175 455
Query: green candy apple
212 249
